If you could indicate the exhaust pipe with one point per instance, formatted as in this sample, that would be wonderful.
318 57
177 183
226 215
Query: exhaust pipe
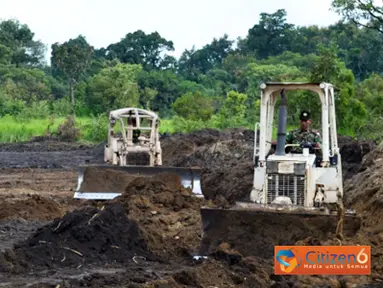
282 120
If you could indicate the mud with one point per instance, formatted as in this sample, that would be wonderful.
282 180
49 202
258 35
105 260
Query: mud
34 208
154 215
82 237
147 237
13 231
49 154
249 233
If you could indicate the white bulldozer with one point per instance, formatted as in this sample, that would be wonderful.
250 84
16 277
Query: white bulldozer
305 180
307 184
134 149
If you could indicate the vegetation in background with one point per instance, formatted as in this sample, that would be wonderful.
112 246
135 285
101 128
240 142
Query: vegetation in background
216 86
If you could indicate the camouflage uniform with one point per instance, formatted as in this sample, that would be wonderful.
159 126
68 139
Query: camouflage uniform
297 137
136 134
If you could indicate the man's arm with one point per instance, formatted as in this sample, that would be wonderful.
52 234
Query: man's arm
289 138
317 139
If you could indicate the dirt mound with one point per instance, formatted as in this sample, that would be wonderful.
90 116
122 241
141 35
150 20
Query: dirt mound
89 235
232 184
352 152
223 156
208 148
34 208
166 212
43 145
156 219
241 229
226 159
364 188
364 192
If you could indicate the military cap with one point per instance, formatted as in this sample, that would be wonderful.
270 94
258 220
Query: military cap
305 115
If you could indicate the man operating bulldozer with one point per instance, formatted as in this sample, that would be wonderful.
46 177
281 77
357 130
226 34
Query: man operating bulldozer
303 134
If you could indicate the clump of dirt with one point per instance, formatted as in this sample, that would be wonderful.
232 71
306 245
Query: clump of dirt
34 208
68 131
167 212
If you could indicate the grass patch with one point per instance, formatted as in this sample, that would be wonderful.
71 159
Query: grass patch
94 130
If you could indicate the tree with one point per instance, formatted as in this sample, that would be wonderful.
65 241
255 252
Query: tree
22 48
193 63
166 83
351 112
370 92
5 54
364 13
114 88
26 84
143 49
194 106
233 111
73 58
271 36
257 73
147 95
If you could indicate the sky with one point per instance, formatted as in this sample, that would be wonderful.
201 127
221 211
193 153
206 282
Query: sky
186 23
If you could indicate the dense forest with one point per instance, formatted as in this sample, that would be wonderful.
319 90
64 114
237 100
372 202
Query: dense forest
214 86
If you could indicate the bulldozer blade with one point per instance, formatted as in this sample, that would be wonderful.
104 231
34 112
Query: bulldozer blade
254 231
190 178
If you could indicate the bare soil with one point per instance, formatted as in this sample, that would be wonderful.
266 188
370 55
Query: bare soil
149 235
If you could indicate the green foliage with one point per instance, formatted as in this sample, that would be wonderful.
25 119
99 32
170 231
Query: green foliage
24 84
271 36
351 112
18 47
147 96
216 86
168 86
143 49
72 59
114 87
194 106
233 111
370 93
359 11
96 130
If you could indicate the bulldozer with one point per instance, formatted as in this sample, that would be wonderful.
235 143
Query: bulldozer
134 148
291 191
